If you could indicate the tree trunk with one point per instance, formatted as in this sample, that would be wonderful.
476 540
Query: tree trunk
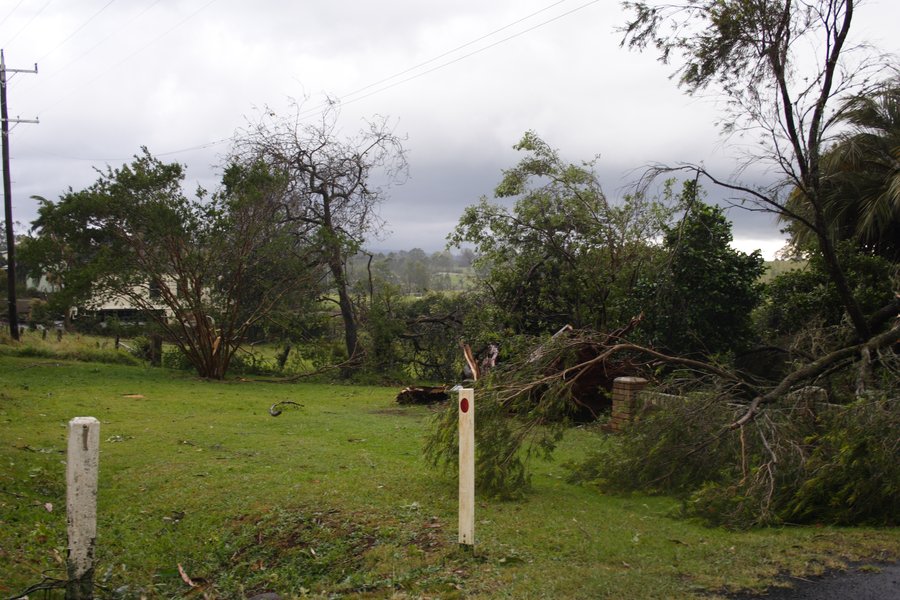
348 314
155 350
840 281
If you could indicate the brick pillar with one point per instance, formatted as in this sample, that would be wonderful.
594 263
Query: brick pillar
624 400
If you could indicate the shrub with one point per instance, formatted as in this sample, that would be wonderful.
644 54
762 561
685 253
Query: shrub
796 298
672 450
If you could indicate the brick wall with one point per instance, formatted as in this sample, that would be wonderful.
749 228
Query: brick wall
625 400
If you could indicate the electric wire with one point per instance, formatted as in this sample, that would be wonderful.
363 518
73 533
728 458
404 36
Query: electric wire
100 42
30 21
9 14
318 108
203 146
135 53
77 30
460 47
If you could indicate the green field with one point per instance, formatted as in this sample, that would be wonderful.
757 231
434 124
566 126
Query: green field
334 499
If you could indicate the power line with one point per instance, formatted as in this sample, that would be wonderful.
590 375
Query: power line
154 40
119 159
78 29
460 47
136 52
9 14
319 108
30 21
102 41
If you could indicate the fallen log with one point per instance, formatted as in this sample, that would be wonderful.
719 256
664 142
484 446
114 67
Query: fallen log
423 395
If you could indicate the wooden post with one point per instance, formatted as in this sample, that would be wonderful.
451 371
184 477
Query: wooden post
467 467
155 350
82 464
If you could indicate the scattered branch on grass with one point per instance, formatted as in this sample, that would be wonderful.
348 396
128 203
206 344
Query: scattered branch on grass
47 583
13 494
184 576
276 411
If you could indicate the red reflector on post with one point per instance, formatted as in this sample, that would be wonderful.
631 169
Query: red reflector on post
464 405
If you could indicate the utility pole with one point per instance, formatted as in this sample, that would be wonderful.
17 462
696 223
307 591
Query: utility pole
7 197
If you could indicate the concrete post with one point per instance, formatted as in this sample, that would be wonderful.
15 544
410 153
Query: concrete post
624 400
82 465
467 467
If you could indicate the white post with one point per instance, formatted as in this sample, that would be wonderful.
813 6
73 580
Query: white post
82 465
467 467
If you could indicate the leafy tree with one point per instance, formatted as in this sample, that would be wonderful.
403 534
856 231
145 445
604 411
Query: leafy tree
564 254
797 299
702 299
204 269
780 65
329 198
861 171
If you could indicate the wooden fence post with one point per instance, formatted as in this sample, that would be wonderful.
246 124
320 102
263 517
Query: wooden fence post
467 467
82 465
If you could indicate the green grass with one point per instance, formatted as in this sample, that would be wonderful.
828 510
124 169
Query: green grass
72 346
334 499
774 268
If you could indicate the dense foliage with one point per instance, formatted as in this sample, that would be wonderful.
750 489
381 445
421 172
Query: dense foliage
564 254
807 297
205 270
806 462
702 297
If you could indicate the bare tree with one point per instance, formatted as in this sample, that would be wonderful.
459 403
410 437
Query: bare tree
783 66
331 197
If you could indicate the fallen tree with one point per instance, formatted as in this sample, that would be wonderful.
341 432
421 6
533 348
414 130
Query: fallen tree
525 407
421 394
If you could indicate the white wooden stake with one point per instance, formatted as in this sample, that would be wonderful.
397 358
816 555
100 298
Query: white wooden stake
82 465
467 467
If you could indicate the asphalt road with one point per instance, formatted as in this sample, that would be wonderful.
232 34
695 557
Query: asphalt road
875 582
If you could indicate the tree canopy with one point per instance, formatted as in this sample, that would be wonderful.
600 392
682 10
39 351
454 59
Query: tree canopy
564 254
330 195
861 178
204 269
780 65
702 298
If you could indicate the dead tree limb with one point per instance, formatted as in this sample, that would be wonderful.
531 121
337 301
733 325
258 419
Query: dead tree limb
815 368
470 360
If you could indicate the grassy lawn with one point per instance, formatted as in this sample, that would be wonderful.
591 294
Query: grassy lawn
334 499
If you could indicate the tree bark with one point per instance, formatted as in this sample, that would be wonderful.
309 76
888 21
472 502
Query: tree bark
840 280
348 312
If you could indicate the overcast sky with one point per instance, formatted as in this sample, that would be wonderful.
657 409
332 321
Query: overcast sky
462 79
